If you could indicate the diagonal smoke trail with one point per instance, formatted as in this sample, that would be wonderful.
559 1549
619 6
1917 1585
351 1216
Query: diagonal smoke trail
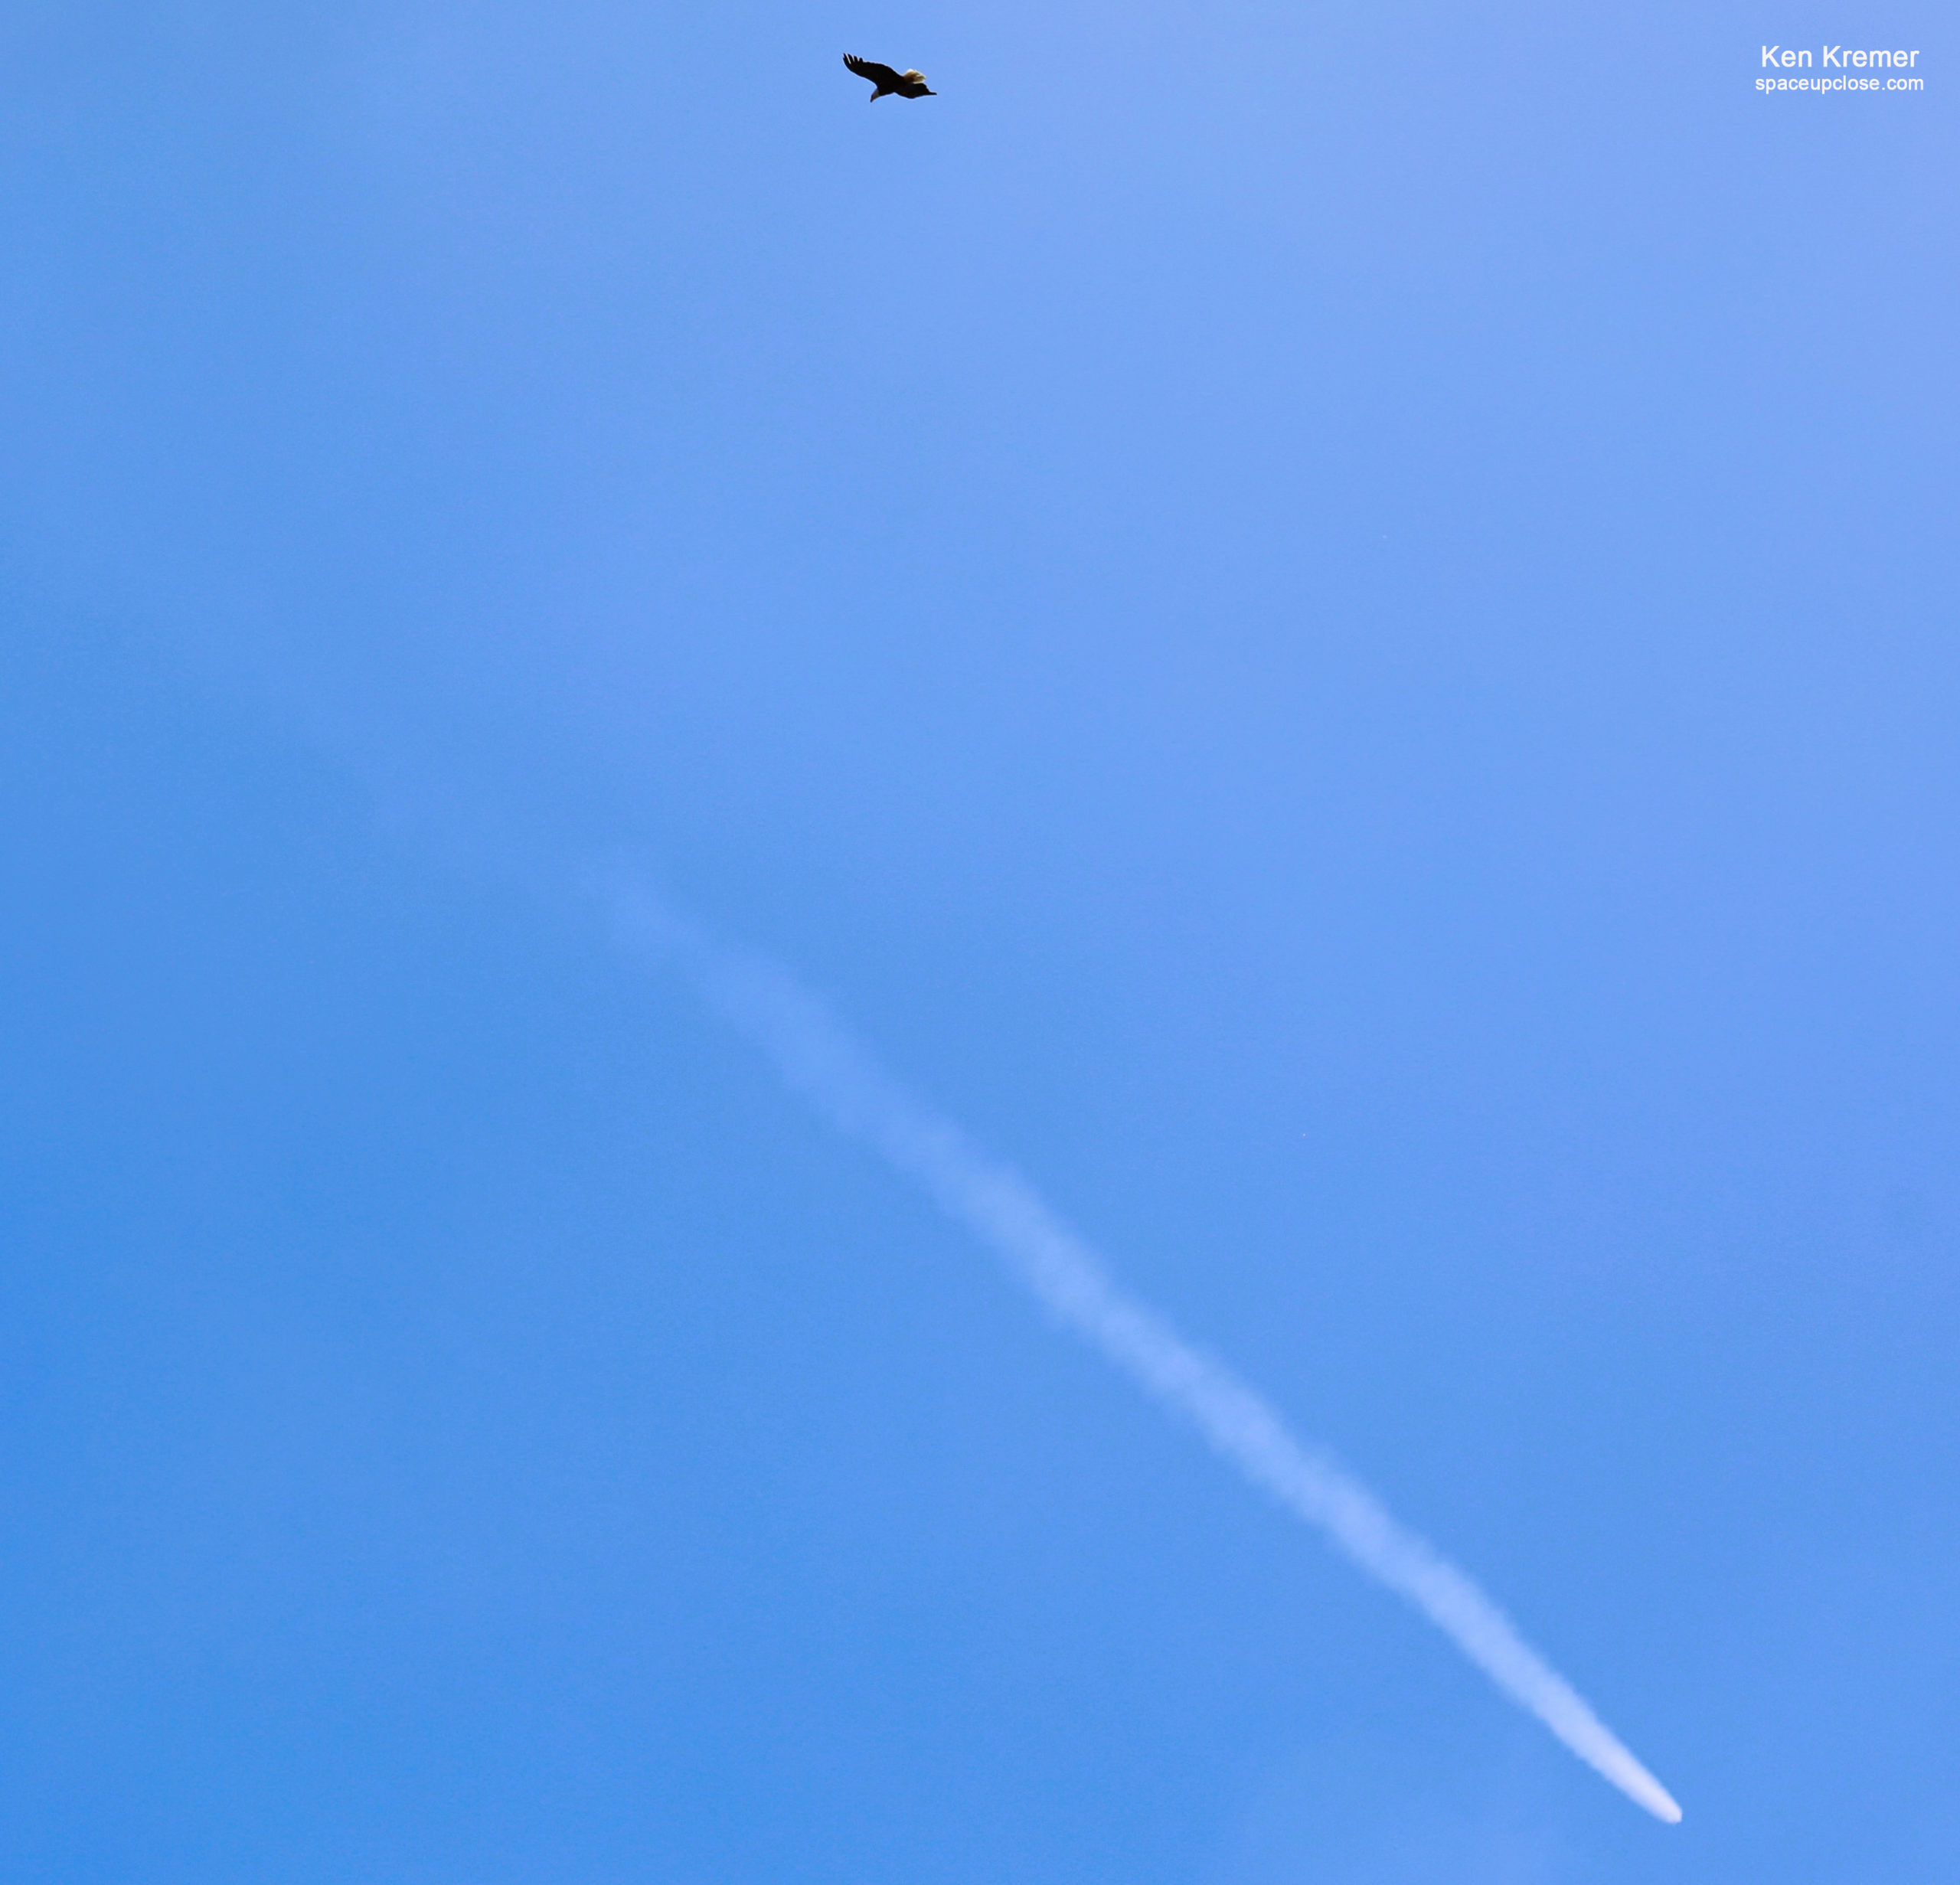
818 1060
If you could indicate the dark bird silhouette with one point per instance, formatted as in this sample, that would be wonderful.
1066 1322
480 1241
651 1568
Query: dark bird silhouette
885 79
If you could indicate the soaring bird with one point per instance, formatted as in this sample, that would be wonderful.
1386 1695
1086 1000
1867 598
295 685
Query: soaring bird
885 79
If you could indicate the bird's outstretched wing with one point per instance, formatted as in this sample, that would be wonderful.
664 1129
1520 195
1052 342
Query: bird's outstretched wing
870 69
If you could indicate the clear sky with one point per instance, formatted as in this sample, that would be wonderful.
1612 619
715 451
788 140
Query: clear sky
1335 626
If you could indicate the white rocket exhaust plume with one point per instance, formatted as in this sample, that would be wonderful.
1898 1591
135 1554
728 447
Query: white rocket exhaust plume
818 1059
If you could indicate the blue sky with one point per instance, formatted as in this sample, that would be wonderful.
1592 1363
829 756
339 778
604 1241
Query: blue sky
1335 628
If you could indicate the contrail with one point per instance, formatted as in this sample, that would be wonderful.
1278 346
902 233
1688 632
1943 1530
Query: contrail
817 1058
